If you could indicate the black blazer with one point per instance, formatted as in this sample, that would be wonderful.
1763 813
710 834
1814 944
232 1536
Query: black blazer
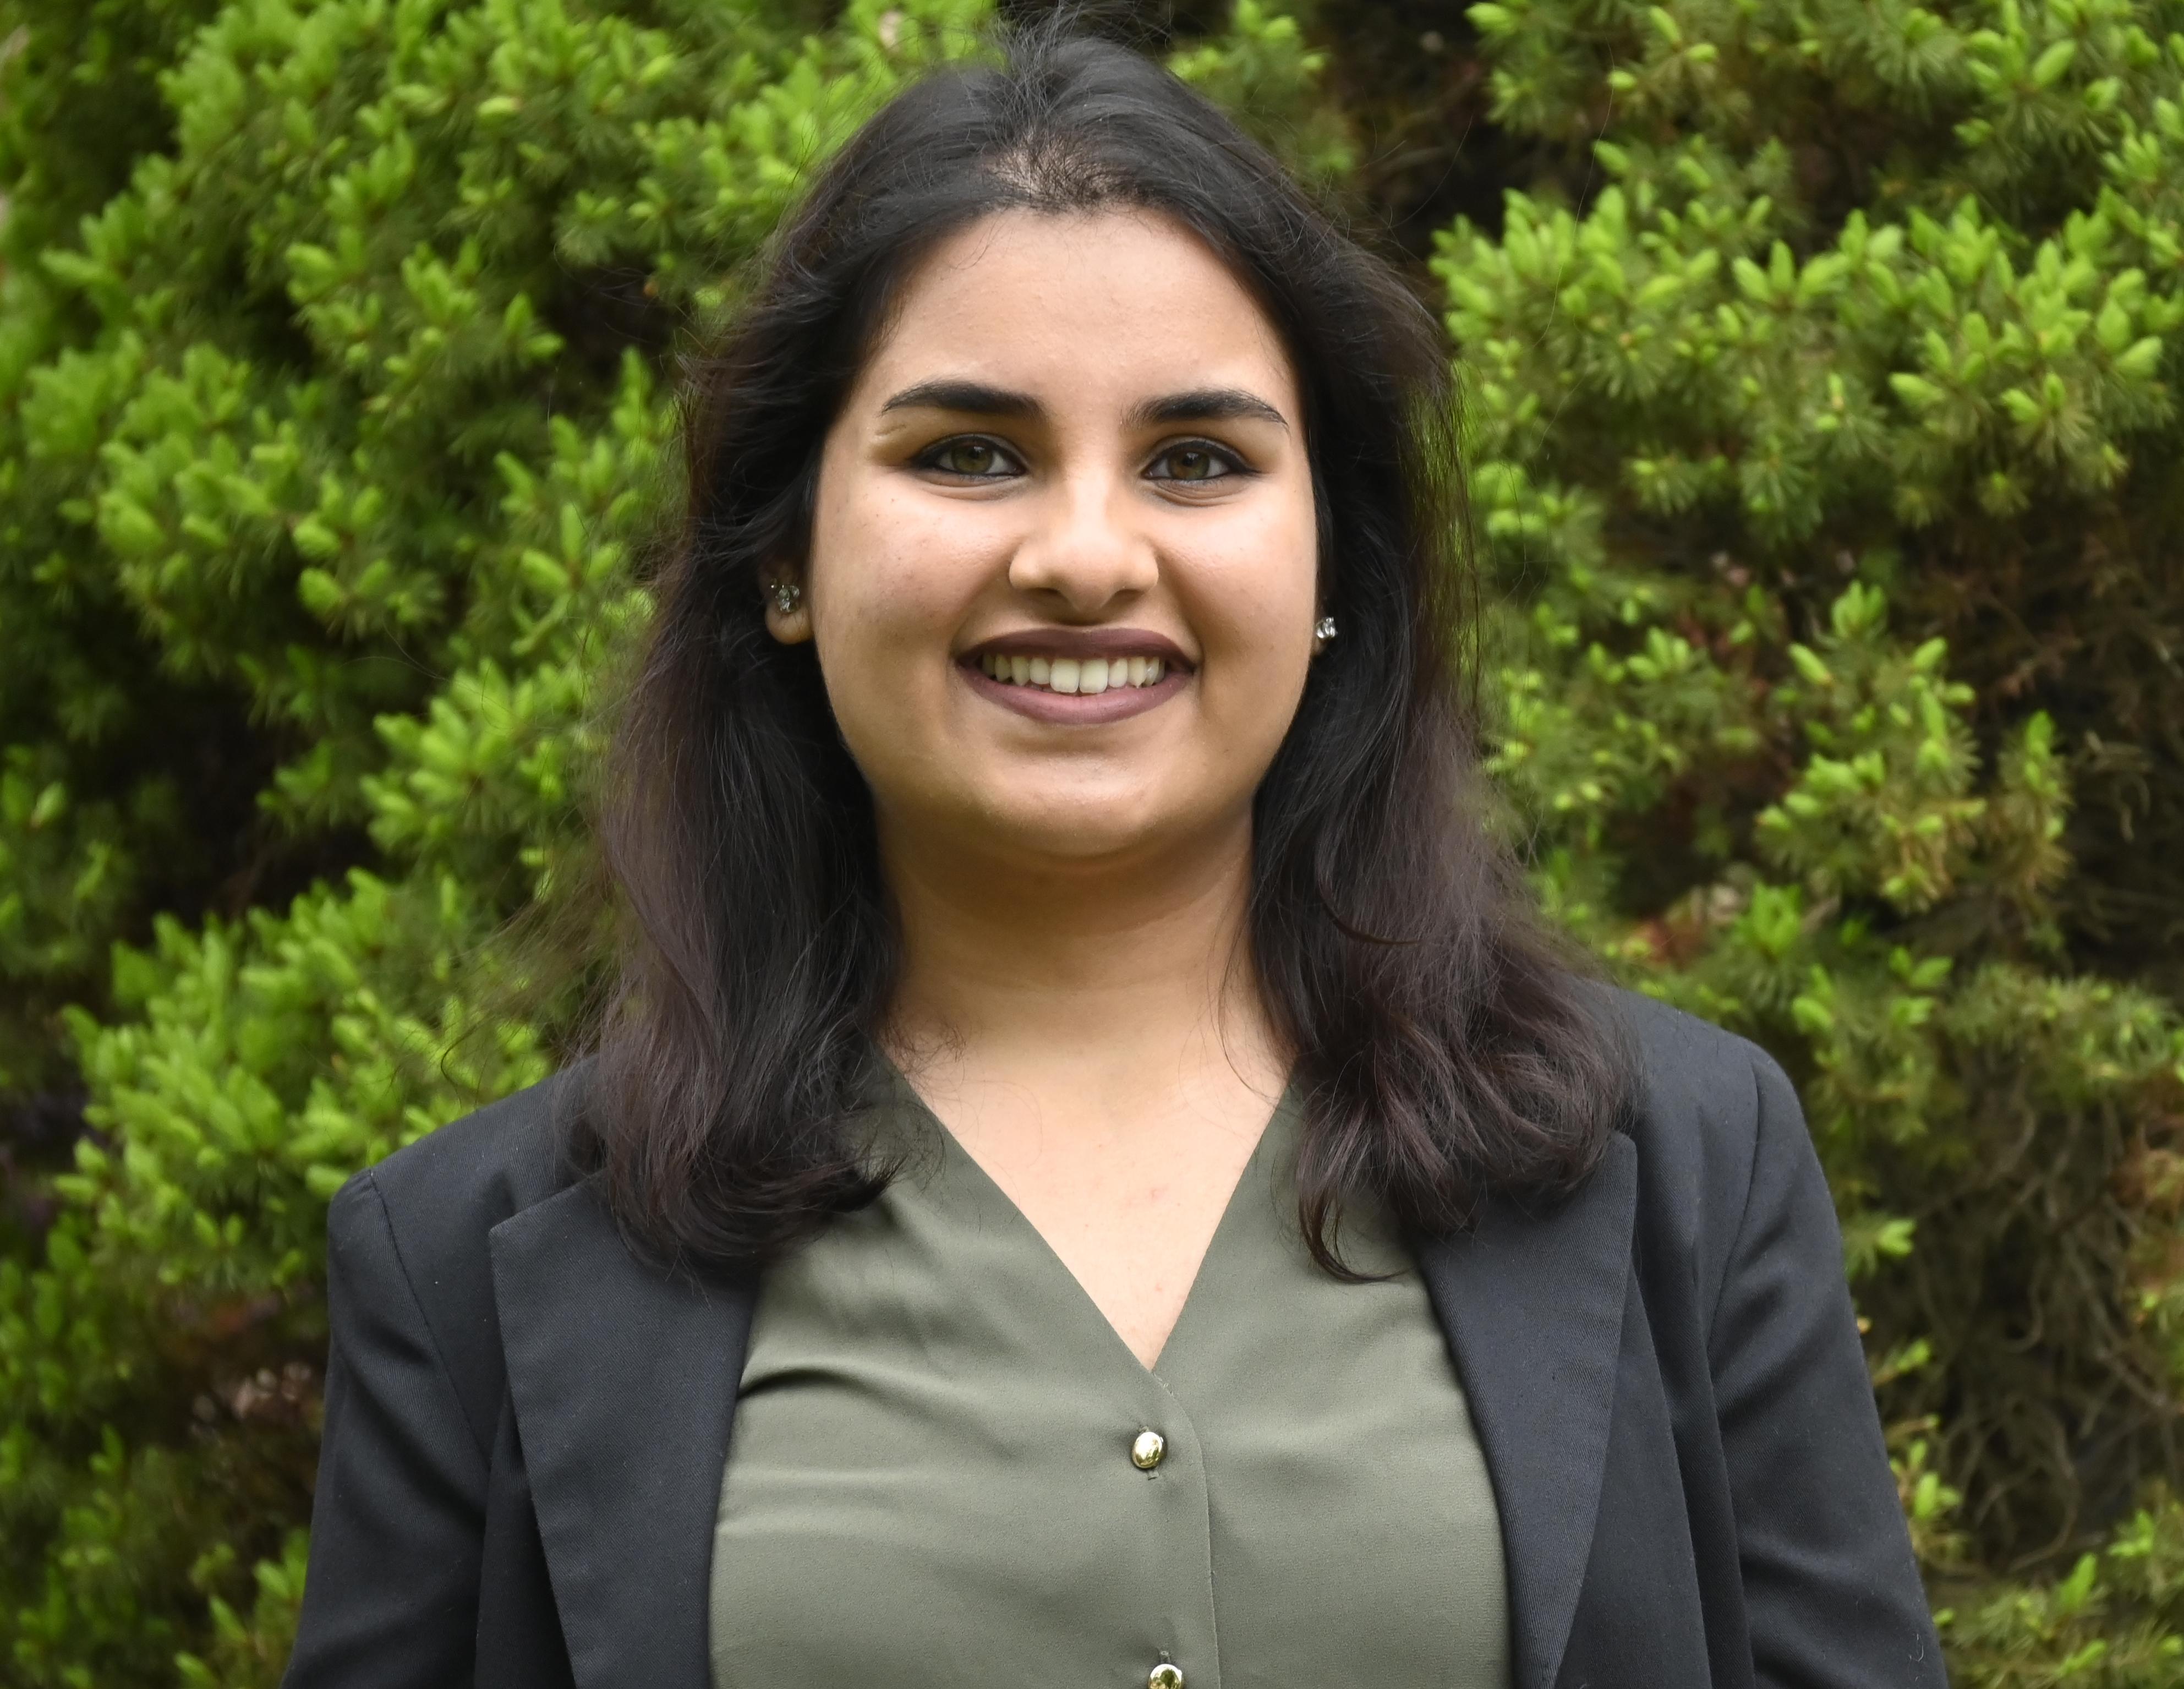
525 1428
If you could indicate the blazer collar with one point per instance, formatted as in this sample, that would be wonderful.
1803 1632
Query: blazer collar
624 1383
1532 1307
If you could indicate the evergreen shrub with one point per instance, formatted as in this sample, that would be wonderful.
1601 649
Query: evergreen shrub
1820 357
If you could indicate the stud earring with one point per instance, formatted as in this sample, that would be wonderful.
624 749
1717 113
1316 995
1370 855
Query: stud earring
1325 631
787 595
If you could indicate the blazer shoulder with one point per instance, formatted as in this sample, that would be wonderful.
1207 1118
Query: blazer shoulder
473 1173
433 1202
1703 1096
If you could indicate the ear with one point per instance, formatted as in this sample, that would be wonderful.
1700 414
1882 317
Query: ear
788 612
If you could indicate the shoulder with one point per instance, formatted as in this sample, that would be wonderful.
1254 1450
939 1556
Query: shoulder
1713 1117
474 1172
1698 1084
415 1225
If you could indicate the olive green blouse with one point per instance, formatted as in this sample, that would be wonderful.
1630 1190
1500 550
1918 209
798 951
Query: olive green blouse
947 1468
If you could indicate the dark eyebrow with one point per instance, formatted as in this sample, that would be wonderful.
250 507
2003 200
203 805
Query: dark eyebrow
1203 404
973 397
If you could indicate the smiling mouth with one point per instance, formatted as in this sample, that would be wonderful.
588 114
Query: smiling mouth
1077 677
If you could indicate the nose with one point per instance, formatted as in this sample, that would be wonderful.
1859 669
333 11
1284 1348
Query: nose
1084 552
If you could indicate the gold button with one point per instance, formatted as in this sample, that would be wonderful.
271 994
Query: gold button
1165 1676
1146 1453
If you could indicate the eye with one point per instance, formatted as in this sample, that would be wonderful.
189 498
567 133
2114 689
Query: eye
1199 460
970 456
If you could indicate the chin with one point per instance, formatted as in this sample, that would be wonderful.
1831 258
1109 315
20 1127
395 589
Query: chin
1082 839
1076 829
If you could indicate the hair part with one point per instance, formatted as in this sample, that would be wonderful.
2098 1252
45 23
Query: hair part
1448 1050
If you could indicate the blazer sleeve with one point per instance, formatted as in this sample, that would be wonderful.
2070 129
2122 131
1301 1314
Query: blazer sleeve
398 1518
1832 1592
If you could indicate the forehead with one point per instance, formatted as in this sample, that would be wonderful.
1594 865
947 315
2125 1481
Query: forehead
1080 306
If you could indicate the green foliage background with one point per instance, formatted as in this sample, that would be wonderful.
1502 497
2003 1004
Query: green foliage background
1821 358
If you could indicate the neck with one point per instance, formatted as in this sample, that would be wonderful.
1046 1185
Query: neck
1126 974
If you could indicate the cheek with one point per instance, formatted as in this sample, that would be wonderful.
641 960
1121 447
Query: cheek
886 580
1257 587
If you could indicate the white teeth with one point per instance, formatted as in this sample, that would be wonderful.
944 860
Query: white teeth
1084 677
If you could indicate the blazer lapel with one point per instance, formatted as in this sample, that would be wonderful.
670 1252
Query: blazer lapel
1533 1311
624 1383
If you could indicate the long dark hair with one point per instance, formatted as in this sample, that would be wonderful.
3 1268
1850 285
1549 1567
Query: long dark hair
1445 1050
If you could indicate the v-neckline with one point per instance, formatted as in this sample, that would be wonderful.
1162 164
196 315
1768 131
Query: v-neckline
991 1194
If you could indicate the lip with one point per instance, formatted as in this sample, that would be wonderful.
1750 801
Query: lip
1116 704
1081 643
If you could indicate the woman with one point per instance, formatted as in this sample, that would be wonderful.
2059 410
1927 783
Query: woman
1091 1174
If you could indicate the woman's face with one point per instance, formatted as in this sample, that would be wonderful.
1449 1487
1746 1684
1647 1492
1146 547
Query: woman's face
1062 567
